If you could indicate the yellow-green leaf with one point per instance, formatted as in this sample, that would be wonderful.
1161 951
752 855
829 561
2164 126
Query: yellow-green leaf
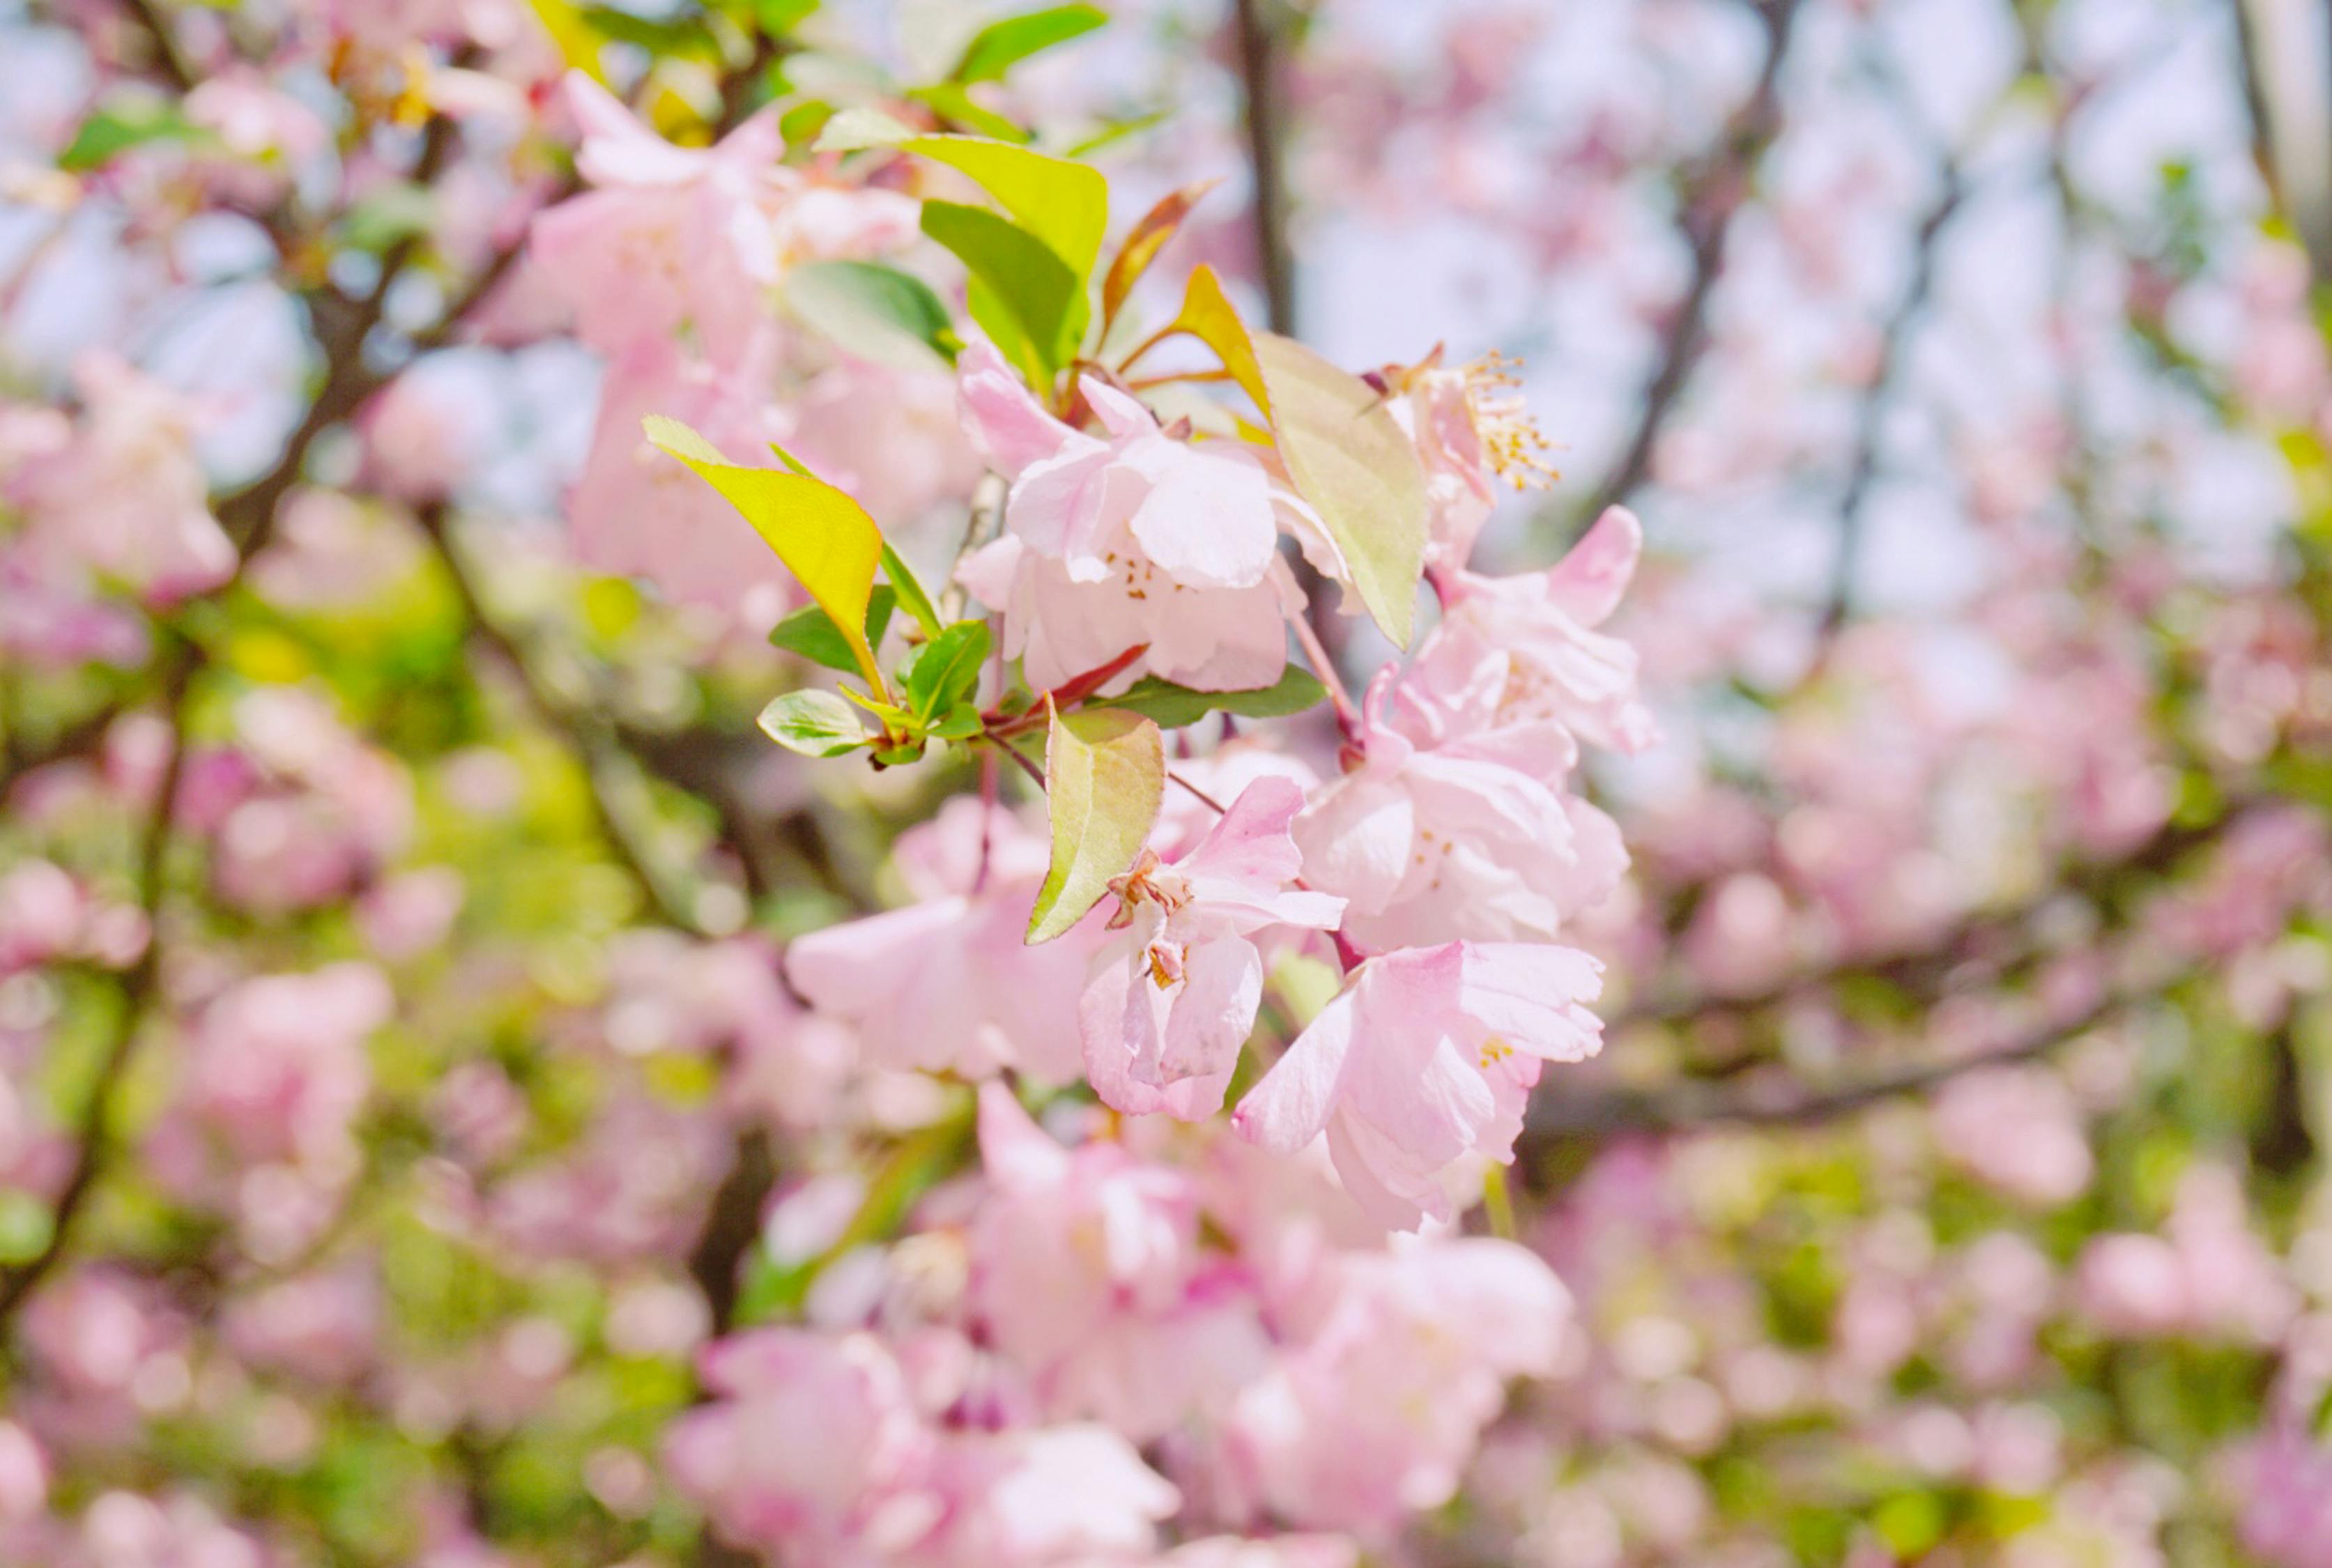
1105 771
1346 454
1064 204
825 537
1208 316
1144 240
1351 459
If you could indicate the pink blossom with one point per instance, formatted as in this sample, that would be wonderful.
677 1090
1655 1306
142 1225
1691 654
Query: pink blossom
1087 1275
947 983
125 497
1454 824
1172 1001
725 998
277 1067
23 1477
1049 1496
1375 1413
1557 666
636 512
325 811
319 1328
673 239
1131 537
2018 1129
1469 432
42 912
2286 1497
669 238
1422 1065
810 1445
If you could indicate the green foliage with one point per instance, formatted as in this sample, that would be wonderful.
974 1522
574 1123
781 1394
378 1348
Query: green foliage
1173 707
815 723
944 672
1023 295
1104 776
998 47
121 123
876 313
811 633
824 537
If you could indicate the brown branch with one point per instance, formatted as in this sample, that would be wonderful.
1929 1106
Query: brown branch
1713 195
138 985
1258 52
1893 345
342 326
593 743
2000 941
166 52
1781 1100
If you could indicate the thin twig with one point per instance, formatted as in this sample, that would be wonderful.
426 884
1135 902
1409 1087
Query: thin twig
1323 665
1870 431
602 759
1713 195
138 985
1203 799
1687 1106
172 59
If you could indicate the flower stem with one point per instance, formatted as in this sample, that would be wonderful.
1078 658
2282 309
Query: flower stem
1348 716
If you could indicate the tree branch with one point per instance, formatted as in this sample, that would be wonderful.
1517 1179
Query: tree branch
138 985
1713 195
602 757
1870 429
1780 1100
1259 50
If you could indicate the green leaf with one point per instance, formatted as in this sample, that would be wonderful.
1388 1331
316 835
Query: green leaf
815 723
998 47
961 724
825 537
1042 300
387 215
1105 771
876 313
962 111
1342 446
1065 205
803 122
911 596
1172 706
1350 458
122 124
811 632
945 669
776 18
857 130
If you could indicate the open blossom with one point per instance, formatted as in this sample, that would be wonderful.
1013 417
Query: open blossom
1375 1412
1087 1275
813 1447
1558 666
947 983
1134 535
672 239
810 1443
1422 1065
123 496
1470 431
1456 823
1172 1000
